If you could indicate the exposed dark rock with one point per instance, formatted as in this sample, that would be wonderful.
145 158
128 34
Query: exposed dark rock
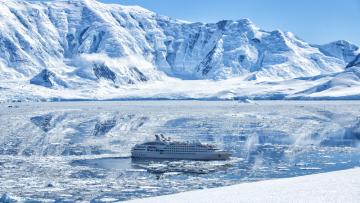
193 41
139 75
256 40
205 66
96 42
44 78
242 58
355 62
102 71
81 35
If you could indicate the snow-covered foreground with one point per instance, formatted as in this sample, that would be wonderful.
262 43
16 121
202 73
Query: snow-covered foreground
339 186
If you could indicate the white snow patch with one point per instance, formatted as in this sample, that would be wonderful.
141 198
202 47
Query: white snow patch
339 186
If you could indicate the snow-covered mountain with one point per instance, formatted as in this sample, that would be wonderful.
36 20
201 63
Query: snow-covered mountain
340 49
84 49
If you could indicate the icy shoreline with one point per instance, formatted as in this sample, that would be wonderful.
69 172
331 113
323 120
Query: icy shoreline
339 186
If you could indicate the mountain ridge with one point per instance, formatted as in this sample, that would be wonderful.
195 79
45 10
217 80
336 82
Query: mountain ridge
86 45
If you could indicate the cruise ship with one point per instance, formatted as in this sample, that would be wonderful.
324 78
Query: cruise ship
164 148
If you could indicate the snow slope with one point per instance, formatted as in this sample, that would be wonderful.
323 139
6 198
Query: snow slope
84 49
342 85
340 186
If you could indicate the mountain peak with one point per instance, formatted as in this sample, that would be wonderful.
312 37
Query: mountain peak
245 21
340 49
344 44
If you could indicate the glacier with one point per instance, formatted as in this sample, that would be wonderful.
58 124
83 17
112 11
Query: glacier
87 50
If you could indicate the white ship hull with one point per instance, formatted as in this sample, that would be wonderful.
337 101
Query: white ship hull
219 155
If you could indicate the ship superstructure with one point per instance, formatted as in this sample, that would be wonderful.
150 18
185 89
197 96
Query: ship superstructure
164 148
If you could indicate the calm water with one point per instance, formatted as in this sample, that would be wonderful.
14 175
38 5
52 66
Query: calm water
80 151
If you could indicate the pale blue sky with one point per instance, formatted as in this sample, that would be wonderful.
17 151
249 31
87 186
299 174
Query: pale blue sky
316 21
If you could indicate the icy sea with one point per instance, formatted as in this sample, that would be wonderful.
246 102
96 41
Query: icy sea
79 151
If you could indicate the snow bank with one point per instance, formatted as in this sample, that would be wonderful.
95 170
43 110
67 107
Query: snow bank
340 186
